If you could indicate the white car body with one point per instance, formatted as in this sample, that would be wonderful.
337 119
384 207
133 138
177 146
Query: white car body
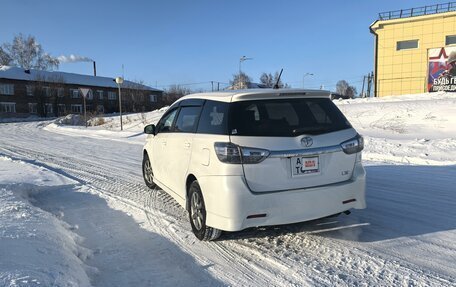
243 195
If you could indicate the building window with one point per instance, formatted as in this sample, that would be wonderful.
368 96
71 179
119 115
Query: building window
77 109
60 93
48 108
74 93
450 40
90 95
7 89
29 90
33 108
112 95
100 94
7 107
47 91
405 45
100 109
153 98
61 109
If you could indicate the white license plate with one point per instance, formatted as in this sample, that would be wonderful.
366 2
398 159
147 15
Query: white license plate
304 165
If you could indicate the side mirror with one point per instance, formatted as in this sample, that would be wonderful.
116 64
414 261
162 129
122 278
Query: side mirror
149 129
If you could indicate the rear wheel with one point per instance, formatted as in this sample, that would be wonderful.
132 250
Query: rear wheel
148 174
197 215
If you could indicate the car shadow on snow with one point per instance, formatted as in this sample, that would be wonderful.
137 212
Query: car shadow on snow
402 201
124 253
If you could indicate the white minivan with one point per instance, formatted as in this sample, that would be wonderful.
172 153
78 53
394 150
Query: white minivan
240 159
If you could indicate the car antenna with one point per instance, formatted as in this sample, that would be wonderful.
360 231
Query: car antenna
276 86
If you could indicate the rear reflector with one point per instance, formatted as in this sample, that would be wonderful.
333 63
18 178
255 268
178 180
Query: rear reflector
256 215
348 201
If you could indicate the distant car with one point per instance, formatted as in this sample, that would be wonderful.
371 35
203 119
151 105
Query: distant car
335 96
241 159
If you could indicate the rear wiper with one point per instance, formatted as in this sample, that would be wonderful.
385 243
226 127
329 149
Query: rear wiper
309 130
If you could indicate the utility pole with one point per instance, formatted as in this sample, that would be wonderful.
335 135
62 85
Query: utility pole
369 83
362 89
372 81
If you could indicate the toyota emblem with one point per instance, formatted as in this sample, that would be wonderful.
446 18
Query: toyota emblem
307 141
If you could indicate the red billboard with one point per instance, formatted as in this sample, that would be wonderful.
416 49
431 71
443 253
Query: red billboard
442 69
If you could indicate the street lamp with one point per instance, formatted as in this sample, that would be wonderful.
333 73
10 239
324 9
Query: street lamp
242 59
119 81
303 77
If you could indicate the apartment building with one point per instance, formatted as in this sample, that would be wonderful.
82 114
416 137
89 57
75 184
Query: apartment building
50 94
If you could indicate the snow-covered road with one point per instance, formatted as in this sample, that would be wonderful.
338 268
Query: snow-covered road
405 237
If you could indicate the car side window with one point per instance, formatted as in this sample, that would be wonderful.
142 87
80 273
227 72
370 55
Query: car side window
166 122
187 119
214 118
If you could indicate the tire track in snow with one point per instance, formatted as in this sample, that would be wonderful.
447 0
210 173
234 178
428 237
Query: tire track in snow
269 256
165 216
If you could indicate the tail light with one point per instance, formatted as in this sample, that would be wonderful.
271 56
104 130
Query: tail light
231 153
353 145
228 152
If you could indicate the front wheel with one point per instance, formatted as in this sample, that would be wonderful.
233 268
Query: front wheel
148 174
197 215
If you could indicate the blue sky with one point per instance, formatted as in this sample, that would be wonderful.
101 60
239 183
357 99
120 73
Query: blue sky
185 42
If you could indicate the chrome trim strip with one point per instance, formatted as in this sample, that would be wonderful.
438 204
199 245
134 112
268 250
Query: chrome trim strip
305 152
348 181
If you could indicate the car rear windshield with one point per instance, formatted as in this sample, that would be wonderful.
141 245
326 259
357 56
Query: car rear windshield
286 117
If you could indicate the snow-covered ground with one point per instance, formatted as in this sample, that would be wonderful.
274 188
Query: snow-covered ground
75 212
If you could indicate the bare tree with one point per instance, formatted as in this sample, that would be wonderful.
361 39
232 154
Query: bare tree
38 86
56 86
343 88
269 81
240 81
5 58
134 96
175 92
48 90
27 53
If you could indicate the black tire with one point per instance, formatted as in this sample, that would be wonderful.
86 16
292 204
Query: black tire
148 174
197 215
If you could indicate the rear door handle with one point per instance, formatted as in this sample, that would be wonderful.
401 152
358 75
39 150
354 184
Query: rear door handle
187 145
163 142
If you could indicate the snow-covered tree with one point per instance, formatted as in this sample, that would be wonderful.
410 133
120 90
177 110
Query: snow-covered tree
343 88
27 53
240 81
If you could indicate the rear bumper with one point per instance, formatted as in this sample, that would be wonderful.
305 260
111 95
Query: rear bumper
229 202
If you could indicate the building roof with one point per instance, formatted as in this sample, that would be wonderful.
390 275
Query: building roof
15 73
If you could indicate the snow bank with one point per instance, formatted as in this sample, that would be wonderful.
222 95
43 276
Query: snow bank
133 126
37 249
71 120
408 129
